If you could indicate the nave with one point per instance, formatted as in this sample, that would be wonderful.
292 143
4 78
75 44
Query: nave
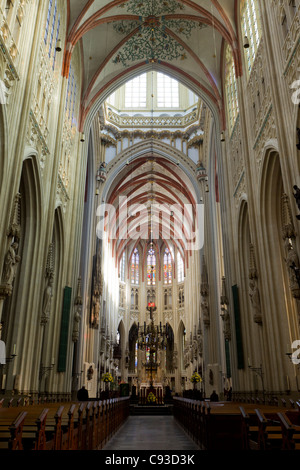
118 424
151 432
149 228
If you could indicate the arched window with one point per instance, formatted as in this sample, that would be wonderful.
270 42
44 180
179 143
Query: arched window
71 97
52 29
135 260
231 89
48 21
136 92
56 39
151 267
180 270
167 92
167 267
122 267
251 27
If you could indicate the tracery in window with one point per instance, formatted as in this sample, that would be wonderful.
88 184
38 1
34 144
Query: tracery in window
136 92
167 267
135 260
231 89
48 21
167 92
151 267
251 27
71 97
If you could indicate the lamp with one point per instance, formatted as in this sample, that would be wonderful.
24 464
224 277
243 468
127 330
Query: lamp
246 43
152 338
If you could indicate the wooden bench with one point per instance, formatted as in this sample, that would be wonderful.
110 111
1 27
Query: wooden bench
269 431
290 433
68 426
11 429
249 429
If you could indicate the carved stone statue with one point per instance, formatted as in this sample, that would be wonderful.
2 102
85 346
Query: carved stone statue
76 321
90 373
255 301
200 345
96 308
205 311
226 319
47 301
292 262
10 264
297 197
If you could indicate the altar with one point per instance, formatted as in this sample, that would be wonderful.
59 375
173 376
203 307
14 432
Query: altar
146 389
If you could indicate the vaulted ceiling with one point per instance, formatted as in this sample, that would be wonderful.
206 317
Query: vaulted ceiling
120 39
184 38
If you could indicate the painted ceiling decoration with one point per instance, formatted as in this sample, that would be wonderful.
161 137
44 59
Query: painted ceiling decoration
152 41
184 38
154 7
150 45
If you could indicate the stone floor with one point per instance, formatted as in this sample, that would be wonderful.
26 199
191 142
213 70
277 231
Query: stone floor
151 433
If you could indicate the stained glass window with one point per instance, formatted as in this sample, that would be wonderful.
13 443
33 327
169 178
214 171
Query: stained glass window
180 269
57 36
136 92
52 29
231 89
135 267
48 21
151 267
251 27
167 92
71 96
167 267
136 355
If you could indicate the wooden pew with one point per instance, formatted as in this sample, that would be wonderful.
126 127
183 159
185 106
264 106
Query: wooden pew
249 430
79 426
290 433
11 429
269 431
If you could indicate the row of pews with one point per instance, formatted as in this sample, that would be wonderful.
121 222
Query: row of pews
239 426
65 426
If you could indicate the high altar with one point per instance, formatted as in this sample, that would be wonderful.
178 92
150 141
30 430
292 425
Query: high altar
152 342
156 389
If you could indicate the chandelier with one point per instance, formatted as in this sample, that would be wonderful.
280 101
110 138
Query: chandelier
152 338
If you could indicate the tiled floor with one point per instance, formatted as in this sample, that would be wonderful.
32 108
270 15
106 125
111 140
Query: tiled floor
151 433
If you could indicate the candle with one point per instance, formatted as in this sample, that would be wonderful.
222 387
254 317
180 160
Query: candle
15 346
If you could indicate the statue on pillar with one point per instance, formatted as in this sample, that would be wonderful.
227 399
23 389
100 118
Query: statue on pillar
47 301
292 263
77 314
10 264
297 197
95 308
255 301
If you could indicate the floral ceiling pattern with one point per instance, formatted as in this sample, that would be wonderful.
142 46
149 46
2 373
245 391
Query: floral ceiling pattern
154 7
153 38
